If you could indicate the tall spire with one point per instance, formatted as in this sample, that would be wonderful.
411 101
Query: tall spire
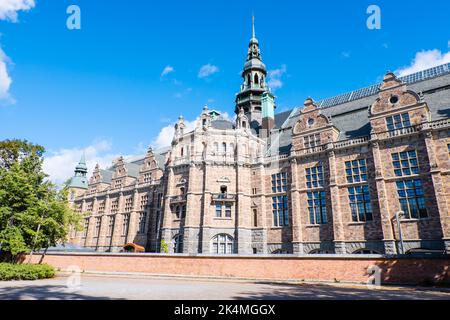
79 180
253 27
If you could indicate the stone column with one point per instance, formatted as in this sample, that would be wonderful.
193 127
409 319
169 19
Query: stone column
262 221
244 235
134 219
386 223
297 232
166 230
206 205
338 225
438 186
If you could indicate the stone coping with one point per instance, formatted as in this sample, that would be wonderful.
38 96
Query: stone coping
255 257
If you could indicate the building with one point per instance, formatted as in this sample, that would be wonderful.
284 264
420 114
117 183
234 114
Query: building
327 177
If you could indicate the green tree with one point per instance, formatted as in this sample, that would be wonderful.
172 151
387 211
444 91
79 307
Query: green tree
34 214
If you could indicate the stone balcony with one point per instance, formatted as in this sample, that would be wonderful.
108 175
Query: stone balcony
178 199
223 197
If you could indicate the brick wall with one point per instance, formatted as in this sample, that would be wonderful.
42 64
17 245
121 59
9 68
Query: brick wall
312 268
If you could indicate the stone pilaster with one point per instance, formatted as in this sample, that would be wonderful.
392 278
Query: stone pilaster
297 233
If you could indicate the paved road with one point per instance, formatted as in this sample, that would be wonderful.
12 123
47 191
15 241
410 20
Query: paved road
113 287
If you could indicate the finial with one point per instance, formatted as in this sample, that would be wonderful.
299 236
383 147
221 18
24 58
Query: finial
83 158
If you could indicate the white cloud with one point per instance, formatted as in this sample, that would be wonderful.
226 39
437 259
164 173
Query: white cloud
207 70
425 60
60 164
345 55
274 78
9 8
5 79
167 70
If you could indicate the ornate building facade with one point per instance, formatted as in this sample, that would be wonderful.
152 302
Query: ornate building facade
327 177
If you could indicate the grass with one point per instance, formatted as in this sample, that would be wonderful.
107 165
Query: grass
10 271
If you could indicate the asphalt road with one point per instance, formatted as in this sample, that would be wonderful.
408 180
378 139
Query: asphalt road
113 287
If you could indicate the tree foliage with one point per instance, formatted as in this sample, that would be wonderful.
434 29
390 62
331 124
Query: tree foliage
34 214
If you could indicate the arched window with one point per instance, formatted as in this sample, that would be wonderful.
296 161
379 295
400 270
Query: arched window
249 80
222 244
216 147
232 148
224 147
256 79
182 152
178 244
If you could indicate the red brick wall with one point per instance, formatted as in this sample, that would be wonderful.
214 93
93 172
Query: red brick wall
344 269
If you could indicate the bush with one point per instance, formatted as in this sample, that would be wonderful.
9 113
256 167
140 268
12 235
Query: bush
10 272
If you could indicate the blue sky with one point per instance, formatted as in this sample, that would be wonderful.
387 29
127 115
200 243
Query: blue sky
101 88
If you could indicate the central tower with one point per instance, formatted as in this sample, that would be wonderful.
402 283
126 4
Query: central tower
249 99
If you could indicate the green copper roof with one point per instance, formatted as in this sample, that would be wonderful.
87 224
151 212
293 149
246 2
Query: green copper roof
80 180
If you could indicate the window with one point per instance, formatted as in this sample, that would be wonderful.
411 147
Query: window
183 211
90 207
222 244
228 210
398 122
115 206
118 184
356 171
365 251
224 147
280 251
317 207
279 183
86 227
178 244
142 222
360 203
312 141
129 204
147 178
314 177
98 224
256 79
412 200
125 224
255 218
218 210
111 222
448 147
144 202
101 207
280 210
405 163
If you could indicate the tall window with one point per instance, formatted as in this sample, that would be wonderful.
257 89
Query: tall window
178 243
255 217
398 121
142 222
317 207
314 177
280 211
405 163
412 200
279 182
360 203
218 210
98 224
101 207
86 227
125 224
222 244
144 202
111 221
228 210
129 204
356 171
312 141
115 206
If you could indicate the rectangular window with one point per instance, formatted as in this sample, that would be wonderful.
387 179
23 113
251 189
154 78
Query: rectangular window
412 200
115 206
129 204
360 203
398 122
111 221
314 177
218 210
142 222
312 141
279 182
280 211
183 211
317 207
228 211
356 171
405 163
101 207
98 224
125 224
86 227
144 202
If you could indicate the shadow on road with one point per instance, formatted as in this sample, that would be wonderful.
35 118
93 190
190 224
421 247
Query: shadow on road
273 291
44 292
